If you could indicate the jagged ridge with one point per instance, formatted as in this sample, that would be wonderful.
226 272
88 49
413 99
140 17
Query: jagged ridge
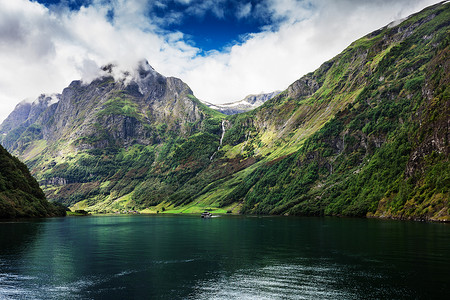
248 103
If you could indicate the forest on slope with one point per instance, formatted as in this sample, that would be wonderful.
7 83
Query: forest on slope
20 194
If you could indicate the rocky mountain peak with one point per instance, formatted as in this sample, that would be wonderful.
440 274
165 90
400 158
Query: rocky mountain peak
46 100
142 78
248 103
116 108
28 110
148 80
144 69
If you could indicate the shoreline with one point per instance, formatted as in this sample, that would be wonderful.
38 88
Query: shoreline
264 216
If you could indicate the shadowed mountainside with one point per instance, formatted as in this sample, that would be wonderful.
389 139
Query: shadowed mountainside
20 194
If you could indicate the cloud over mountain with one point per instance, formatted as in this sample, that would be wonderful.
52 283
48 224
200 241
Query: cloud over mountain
43 48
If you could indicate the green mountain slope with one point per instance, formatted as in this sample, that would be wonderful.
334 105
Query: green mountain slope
364 135
20 194
385 151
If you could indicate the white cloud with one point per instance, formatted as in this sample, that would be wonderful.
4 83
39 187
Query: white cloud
185 2
244 10
292 11
217 7
41 51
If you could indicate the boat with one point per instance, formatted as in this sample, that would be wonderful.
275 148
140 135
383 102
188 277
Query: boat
206 215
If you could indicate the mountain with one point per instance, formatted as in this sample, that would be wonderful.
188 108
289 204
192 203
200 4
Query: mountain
20 194
248 103
24 115
80 146
366 134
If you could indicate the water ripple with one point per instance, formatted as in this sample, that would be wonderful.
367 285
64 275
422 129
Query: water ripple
278 281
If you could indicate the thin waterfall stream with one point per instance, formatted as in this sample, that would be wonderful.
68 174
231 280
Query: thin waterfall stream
221 140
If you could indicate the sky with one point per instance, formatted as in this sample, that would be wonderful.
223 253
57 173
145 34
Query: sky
223 49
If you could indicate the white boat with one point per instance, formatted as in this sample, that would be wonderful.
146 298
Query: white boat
206 215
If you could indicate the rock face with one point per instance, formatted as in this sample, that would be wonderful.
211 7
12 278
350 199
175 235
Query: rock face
26 112
107 112
24 115
248 103
17 117
303 87
366 134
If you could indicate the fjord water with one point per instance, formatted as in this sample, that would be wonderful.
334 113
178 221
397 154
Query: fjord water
230 257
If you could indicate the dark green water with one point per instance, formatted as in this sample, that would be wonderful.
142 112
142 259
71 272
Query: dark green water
186 257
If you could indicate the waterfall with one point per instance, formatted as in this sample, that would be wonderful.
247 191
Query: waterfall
221 140
223 134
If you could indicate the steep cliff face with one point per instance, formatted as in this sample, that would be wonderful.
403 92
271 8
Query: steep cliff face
17 117
366 134
107 112
24 115
20 194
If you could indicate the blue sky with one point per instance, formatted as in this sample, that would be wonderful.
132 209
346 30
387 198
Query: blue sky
208 25
223 49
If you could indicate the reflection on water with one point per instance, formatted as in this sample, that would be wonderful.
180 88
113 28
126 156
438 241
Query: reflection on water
185 257
278 281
